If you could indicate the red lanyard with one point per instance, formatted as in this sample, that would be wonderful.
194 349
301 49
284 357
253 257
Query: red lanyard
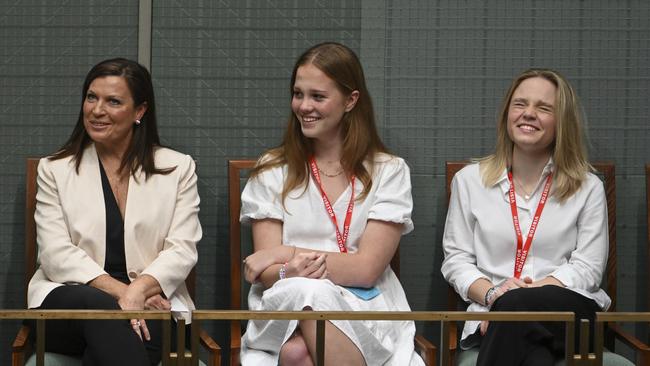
341 239
522 249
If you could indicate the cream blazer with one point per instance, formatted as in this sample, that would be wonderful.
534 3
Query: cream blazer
161 225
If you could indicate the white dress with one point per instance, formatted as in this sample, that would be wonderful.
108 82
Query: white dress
307 225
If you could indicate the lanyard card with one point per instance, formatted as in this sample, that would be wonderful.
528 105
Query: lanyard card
364 293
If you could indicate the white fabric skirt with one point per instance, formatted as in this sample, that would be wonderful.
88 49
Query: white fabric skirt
380 342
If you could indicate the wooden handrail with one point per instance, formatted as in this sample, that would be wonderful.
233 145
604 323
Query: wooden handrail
382 315
51 314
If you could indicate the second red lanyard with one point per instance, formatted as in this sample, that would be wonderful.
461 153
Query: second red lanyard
341 239
523 248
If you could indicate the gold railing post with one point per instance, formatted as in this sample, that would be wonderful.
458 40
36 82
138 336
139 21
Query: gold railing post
166 344
599 342
584 342
194 340
570 342
320 342
40 342
444 343
180 341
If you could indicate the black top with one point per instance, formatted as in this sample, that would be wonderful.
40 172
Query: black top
115 262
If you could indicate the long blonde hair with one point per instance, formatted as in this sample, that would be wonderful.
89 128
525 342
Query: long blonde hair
568 149
361 141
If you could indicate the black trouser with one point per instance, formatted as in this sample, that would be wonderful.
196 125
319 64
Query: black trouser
533 343
99 342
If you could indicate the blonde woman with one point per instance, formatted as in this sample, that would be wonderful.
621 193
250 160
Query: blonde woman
526 228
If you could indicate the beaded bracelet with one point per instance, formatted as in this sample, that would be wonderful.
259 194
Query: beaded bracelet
283 271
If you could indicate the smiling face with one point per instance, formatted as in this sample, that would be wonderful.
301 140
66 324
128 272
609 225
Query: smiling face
318 104
531 116
109 112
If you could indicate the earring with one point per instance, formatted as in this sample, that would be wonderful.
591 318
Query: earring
137 121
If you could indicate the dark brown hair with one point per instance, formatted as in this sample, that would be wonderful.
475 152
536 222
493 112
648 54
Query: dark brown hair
140 153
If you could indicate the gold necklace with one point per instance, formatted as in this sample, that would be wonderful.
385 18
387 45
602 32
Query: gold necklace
331 175
526 194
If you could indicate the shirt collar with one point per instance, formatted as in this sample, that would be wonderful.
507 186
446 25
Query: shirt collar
504 184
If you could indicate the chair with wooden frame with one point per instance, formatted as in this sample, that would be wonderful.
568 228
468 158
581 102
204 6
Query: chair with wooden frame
21 346
235 169
607 172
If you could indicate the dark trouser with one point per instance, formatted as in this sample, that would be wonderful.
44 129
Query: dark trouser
533 343
99 342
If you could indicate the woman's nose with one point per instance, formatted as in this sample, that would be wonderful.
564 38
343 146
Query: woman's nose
529 112
305 105
98 108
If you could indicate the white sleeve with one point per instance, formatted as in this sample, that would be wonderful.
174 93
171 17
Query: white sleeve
262 196
459 266
393 201
60 259
585 267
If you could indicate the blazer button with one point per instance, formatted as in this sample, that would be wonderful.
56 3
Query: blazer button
133 274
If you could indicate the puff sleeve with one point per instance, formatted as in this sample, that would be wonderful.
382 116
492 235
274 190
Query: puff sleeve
393 201
262 196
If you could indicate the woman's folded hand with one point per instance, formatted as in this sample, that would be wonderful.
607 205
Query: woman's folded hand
309 265
157 302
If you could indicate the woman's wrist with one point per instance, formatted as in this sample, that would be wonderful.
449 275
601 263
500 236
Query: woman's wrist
286 253
490 296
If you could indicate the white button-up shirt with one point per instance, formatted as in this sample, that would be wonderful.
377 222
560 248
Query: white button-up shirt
570 244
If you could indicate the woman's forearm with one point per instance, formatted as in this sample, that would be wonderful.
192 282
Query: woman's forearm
270 275
146 285
478 289
109 285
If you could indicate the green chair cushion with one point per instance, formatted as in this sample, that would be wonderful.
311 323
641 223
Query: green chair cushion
56 359
468 358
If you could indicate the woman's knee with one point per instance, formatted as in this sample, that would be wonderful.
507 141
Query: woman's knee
294 352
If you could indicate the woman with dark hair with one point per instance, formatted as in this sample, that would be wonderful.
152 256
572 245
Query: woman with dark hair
328 208
116 222
526 228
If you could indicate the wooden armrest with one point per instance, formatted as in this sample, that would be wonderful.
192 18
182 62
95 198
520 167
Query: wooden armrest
641 349
426 350
21 339
21 346
212 347
627 338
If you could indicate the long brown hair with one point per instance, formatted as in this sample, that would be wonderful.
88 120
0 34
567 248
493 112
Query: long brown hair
569 152
361 141
140 153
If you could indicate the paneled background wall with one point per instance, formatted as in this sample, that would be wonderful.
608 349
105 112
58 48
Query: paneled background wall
437 71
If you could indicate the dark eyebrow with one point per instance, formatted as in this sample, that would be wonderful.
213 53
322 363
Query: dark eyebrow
317 91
